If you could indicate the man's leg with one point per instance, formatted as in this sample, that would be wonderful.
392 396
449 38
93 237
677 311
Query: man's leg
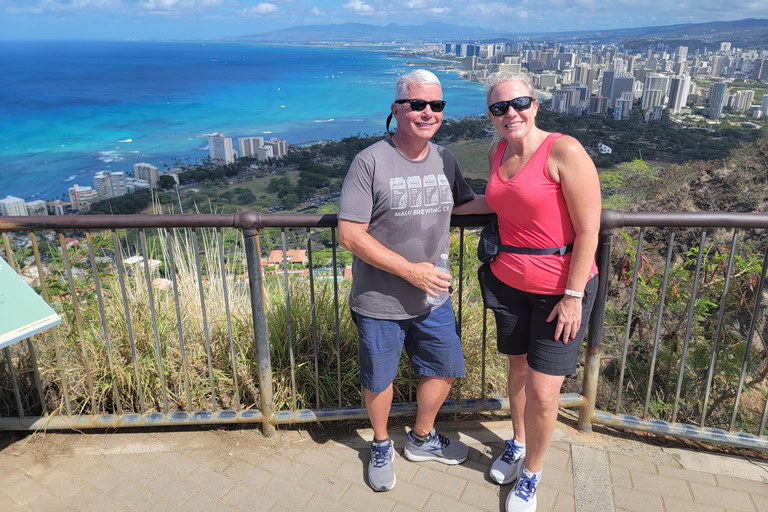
378 406
430 395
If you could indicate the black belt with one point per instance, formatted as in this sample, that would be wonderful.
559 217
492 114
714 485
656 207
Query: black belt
565 249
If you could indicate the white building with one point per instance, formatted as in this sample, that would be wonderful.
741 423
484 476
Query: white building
109 184
264 152
279 147
678 93
220 149
13 206
248 146
654 91
764 105
59 207
82 198
743 100
134 184
37 208
147 173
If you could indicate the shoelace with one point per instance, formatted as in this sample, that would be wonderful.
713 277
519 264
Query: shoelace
380 455
509 452
444 441
526 488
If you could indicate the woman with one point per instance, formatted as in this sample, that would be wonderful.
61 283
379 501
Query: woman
546 193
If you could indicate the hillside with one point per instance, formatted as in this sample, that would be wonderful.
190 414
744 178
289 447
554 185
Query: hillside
742 33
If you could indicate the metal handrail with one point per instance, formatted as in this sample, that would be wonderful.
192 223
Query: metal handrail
251 223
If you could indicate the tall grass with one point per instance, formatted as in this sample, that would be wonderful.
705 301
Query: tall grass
310 354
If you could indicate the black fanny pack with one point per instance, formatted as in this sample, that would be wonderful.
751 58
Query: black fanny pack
490 245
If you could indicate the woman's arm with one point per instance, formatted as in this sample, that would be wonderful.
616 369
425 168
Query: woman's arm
573 168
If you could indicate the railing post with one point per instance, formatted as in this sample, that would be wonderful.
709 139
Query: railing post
595 333
261 335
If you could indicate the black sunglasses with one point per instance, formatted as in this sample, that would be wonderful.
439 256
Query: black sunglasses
419 105
519 104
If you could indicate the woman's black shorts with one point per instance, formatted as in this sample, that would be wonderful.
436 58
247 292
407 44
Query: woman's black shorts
522 328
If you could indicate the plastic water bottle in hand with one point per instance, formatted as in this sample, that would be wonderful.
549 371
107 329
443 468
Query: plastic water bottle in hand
443 267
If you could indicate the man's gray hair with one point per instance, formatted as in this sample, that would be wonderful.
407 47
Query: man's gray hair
415 77
508 76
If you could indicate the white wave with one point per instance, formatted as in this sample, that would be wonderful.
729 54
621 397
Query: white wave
266 132
125 140
203 148
324 120
72 177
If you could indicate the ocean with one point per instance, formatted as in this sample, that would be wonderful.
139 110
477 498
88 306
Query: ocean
71 109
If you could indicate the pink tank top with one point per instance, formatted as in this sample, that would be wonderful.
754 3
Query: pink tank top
532 213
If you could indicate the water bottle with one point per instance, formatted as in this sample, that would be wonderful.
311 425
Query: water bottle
443 267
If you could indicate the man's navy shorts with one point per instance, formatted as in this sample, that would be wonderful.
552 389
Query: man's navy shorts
431 341
521 325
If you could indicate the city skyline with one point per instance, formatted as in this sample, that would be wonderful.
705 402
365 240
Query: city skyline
213 19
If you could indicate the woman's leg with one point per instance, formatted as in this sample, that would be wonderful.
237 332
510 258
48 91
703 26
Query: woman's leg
516 384
542 393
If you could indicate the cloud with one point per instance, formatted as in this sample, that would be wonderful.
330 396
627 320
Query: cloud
484 10
359 7
263 9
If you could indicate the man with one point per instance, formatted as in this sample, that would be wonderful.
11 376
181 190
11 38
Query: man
394 216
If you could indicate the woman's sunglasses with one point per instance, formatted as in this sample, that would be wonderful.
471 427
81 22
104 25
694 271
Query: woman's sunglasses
519 104
419 105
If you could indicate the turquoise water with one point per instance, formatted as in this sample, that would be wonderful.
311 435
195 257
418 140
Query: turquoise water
71 109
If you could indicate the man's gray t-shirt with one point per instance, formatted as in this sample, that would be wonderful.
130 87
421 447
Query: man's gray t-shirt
407 205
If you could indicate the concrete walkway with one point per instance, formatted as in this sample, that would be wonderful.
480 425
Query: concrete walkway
214 470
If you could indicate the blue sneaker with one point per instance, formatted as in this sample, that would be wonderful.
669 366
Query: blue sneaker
437 447
381 468
522 497
506 468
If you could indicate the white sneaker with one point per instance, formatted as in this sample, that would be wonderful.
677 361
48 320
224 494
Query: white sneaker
506 468
522 497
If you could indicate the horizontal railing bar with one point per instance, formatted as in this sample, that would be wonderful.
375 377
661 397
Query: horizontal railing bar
158 419
254 220
241 220
615 219
683 430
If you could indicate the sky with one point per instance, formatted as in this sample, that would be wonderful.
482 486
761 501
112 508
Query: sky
212 19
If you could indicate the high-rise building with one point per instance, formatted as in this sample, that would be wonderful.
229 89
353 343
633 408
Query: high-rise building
622 109
147 173
279 147
717 99
607 85
743 100
248 146
13 206
760 69
82 198
109 184
621 84
725 47
37 207
678 93
220 149
264 152
654 91
764 105
59 207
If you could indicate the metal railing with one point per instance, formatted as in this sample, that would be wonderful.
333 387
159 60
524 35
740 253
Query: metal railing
198 330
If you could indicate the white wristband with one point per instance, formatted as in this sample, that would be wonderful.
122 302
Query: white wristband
574 294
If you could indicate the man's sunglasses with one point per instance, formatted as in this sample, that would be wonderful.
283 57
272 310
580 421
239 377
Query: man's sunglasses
519 104
419 105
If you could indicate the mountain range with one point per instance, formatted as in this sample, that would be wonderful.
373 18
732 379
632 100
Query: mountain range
741 33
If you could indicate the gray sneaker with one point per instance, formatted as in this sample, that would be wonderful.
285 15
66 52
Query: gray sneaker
507 467
381 468
437 447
